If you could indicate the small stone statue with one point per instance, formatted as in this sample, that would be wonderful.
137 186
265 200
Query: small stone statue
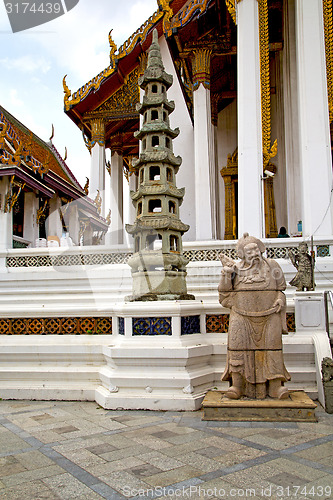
304 264
253 289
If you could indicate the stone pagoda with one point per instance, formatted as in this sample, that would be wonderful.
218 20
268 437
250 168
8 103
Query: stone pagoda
158 264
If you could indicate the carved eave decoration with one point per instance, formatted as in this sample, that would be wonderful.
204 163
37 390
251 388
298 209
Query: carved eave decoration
121 104
232 165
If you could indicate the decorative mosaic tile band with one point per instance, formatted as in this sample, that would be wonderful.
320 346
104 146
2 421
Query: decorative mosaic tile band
122 258
151 326
215 323
121 326
219 323
190 325
68 260
55 326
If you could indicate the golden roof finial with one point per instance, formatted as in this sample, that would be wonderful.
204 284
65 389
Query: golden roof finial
67 93
52 133
113 50
65 157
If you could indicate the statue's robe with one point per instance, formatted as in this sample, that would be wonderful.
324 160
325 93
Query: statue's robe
255 326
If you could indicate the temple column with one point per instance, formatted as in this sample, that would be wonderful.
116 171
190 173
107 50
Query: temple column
250 161
97 169
6 218
204 162
129 209
30 226
74 224
54 224
115 234
315 147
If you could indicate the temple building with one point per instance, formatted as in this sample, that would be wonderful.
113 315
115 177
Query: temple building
253 95
253 100
42 202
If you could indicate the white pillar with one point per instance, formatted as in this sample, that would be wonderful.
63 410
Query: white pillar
204 163
129 209
97 169
115 233
250 164
54 224
30 226
74 223
6 219
315 146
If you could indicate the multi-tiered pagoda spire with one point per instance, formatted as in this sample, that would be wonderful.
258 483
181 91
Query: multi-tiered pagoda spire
158 264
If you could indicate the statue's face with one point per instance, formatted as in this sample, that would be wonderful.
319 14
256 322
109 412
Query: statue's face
252 254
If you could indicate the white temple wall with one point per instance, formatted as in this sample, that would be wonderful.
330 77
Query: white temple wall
183 145
277 132
226 144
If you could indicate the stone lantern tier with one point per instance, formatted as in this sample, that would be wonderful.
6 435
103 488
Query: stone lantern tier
158 265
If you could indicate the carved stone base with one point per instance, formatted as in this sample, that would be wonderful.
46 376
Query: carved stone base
298 407
159 285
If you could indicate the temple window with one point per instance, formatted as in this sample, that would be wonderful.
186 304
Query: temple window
165 116
167 142
169 174
163 88
174 243
145 117
150 241
154 114
154 89
141 176
172 207
154 173
137 244
155 141
155 206
140 208
144 144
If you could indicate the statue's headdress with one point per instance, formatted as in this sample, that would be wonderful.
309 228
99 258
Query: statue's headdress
245 240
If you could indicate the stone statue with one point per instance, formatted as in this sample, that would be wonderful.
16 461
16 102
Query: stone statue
304 264
253 289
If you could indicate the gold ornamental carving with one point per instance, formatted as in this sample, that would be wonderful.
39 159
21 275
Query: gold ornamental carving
269 151
185 14
230 177
97 132
201 68
139 35
122 102
328 30
12 195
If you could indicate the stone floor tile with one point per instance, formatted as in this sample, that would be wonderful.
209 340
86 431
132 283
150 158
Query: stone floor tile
153 443
174 451
9 442
118 440
317 452
124 453
161 461
187 438
124 482
33 460
101 448
287 466
32 490
173 476
144 470
68 487
200 462
230 459
10 465
83 458
31 475
211 452
117 465
49 436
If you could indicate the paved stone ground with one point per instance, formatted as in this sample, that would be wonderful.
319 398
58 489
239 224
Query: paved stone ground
65 450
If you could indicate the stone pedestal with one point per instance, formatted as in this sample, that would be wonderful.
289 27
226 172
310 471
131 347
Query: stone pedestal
297 408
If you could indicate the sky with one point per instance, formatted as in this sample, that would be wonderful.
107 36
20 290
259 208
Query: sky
33 63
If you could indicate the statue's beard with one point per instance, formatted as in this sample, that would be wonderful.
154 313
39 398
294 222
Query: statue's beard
254 262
